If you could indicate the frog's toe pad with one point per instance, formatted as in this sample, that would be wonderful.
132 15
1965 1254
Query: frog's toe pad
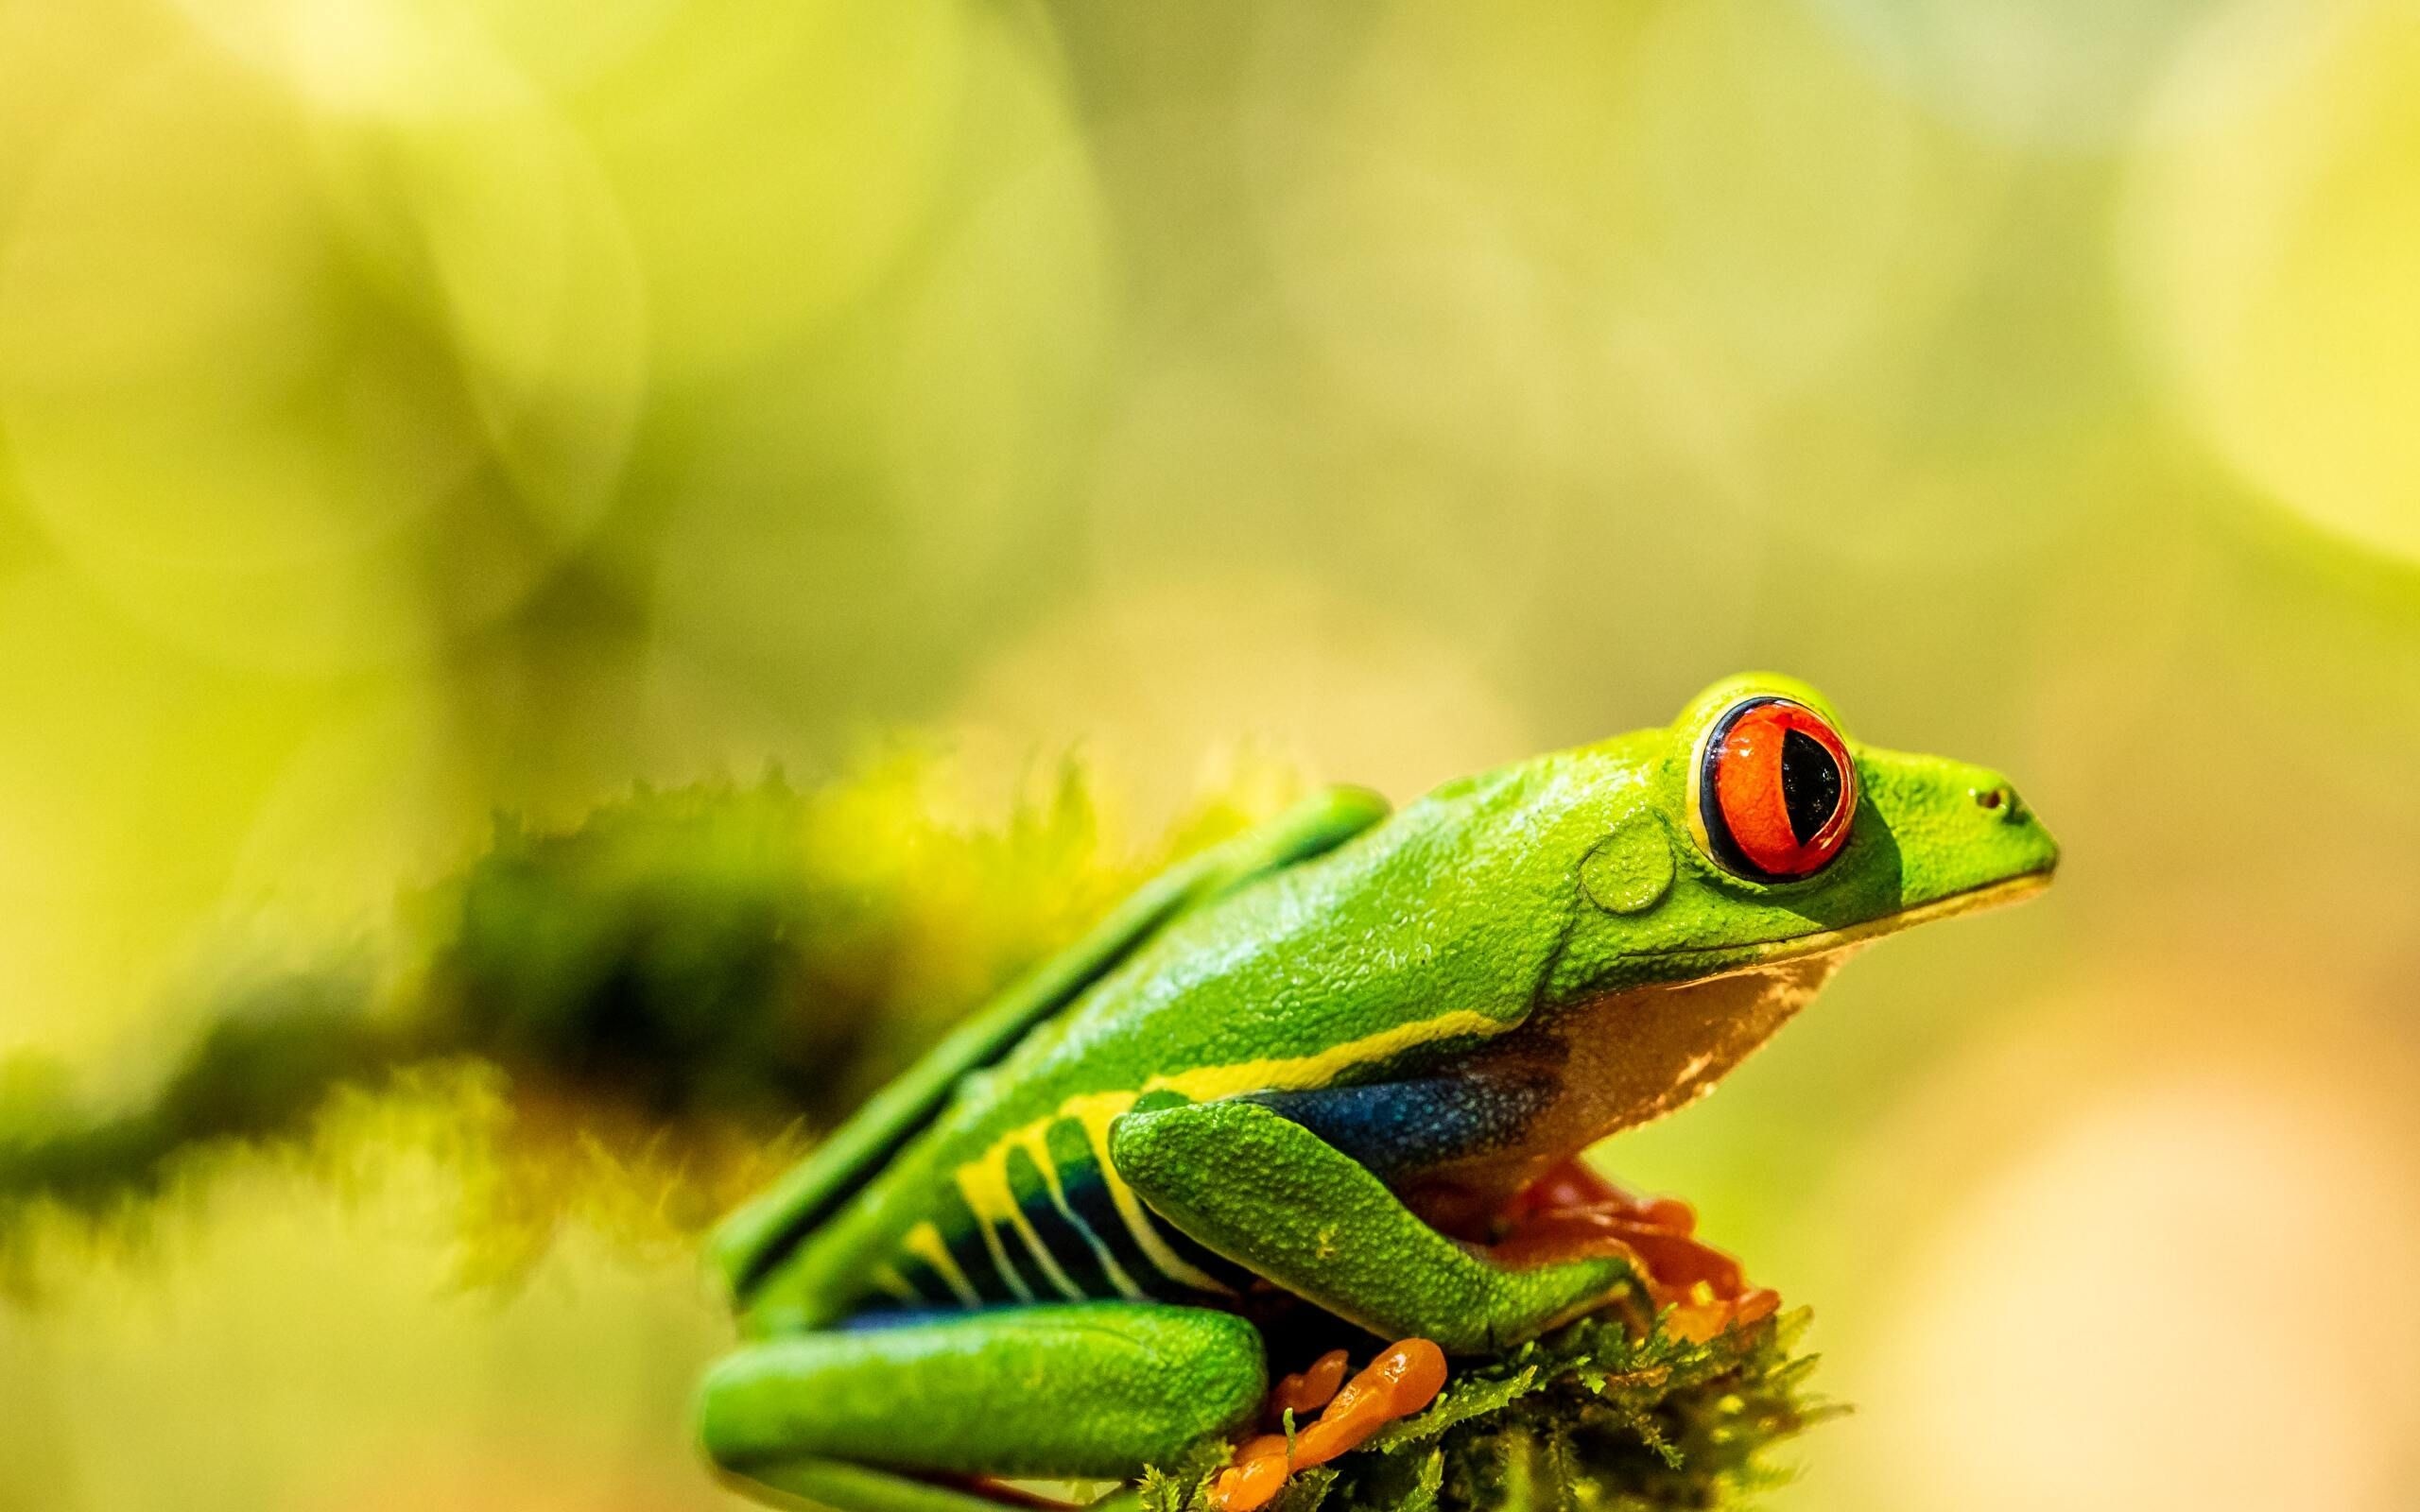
1402 1381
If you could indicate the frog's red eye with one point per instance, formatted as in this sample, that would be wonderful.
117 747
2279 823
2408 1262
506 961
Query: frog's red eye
1776 790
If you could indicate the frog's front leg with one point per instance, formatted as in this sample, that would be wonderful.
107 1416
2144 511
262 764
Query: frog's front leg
1269 1193
860 1418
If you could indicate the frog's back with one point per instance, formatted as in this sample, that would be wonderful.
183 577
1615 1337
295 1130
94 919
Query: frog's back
777 1251
1007 1194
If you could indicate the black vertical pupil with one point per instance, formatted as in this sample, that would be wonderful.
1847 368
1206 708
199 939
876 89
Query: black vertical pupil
1810 783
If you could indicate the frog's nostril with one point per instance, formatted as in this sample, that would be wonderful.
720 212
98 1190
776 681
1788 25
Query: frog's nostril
2001 799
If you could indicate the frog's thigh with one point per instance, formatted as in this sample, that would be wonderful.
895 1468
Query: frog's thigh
1080 1390
1271 1195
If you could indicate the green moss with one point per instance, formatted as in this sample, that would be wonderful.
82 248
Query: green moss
274 1047
1592 1416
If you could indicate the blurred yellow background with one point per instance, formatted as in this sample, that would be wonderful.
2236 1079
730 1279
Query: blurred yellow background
413 408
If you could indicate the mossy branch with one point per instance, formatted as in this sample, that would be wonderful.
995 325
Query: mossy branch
673 997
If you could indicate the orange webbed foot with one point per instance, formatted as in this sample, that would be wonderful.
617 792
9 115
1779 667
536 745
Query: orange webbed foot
1399 1383
1571 1211
1306 1391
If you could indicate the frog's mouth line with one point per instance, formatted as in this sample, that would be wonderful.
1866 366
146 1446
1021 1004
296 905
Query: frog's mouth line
1823 941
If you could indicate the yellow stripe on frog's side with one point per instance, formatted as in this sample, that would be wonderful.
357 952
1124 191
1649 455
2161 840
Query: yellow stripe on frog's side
1034 1139
1001 1265
984 1184
1094 1112
1205 1084
925 1242
889 1280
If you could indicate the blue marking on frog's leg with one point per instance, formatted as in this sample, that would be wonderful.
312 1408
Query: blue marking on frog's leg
1400 1127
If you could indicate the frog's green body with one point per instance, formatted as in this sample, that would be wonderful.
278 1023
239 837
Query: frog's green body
1313 1063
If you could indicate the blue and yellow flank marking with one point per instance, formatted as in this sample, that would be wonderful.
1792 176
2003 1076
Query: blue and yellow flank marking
1042 1213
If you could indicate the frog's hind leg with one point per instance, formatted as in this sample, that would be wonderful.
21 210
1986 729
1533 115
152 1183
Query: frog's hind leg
876 1420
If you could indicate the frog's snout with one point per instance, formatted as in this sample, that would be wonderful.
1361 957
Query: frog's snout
2008 835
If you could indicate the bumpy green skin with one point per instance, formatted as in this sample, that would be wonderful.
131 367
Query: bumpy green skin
1512 967
1244 1180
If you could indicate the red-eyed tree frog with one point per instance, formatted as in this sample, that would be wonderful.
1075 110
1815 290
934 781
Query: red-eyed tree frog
1339 1067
